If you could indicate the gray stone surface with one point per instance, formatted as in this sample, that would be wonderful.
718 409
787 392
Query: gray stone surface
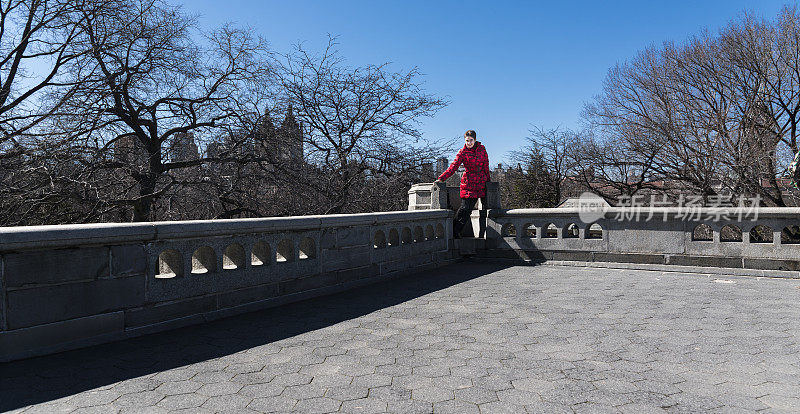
57 266
21 342
471 337
53 303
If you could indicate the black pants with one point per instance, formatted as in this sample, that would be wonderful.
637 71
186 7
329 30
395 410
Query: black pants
463 213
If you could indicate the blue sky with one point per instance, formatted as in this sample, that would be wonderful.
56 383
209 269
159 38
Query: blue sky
504 65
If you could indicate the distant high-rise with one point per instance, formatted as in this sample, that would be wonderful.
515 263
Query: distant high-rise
290 138
441 165
183 148
285 142
265 135
428 173
498 173
128 149
215 149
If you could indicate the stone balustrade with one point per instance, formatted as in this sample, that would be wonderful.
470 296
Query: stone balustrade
65 287
768 241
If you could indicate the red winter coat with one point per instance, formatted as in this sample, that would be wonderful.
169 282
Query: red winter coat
476 174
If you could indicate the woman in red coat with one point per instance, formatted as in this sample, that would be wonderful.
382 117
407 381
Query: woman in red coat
473 182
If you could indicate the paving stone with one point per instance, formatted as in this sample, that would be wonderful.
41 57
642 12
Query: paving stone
364 405
318 405
98 409
350 392
253 378
518 397
409 407
431 394
273 404
93 398
334 380
451 382
663 401
390 393
180 401
139 385
469 371
605 397
455 407
197 410
212 377
245 368
178 387
139 399
741 401
305 391
49 408
144 410
292 379
475 395
548 407
781 402
227 402
533 385
262 390
500 408
636 408
221 388
355 370
613 385
565 397
393 370
372 380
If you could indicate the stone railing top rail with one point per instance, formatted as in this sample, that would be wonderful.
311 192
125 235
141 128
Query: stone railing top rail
32 237
699 212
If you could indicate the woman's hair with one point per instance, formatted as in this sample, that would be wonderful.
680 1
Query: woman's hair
471 133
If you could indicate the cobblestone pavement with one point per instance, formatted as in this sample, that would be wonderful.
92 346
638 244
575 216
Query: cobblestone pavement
472 337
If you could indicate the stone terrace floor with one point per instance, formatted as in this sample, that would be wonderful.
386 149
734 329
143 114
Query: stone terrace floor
471 337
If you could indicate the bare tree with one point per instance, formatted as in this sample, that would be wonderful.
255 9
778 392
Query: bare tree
553 148
712 114
37 41
357 123
528 185
148 80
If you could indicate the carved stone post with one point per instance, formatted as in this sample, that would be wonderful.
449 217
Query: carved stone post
425 196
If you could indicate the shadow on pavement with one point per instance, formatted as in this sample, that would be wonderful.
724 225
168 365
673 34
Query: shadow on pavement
42 379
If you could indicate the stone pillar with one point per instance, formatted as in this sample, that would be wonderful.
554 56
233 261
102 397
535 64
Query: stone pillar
492 195
427 196
419 197
439 198
478 217
478 223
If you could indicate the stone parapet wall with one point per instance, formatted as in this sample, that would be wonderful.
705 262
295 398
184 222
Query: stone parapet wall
719 237
65 287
